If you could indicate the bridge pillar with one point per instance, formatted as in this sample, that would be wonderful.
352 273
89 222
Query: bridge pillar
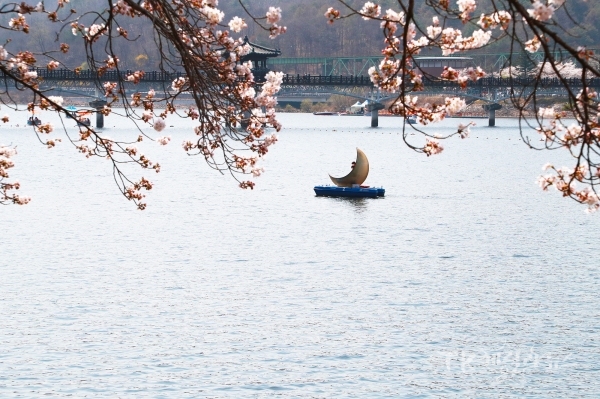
374 109
245 122
491 108
98 105
374 118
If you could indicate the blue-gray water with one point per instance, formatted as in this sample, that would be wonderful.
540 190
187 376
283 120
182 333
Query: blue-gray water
465 281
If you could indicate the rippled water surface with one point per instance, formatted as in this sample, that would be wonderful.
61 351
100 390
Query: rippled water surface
465 281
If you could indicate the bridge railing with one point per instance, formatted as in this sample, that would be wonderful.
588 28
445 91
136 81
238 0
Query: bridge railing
67 74
320 80
160 76
492 82
517 82
326 80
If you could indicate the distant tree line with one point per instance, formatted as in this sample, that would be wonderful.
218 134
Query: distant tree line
308 33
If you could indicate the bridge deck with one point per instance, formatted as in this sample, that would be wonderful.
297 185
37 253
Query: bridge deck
317 80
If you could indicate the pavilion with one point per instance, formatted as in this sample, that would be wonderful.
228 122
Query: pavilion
259 56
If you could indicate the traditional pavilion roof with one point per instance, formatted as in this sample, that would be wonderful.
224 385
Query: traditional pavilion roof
258 52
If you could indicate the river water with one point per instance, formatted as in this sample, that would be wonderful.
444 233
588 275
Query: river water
465 281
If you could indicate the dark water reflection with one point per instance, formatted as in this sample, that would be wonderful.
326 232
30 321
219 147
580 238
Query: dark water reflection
358 205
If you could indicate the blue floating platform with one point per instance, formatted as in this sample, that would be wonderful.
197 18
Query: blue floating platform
353 192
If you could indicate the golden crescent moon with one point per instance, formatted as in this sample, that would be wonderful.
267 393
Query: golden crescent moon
358 174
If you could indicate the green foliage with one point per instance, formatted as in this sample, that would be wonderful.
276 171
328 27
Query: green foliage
289 108
340 103
141 60
306 106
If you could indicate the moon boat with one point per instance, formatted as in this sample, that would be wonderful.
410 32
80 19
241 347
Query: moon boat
351 184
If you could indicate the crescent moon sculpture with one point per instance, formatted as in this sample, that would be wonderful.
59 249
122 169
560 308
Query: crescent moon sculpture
358 174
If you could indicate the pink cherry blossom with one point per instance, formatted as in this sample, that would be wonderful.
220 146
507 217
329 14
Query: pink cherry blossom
541 11
162 140
432 147
332 14
466 7
273 15
370 10
159 124
237 24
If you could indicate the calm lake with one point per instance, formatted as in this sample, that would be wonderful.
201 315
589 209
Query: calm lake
465 281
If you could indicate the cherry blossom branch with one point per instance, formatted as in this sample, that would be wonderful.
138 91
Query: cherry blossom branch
230 130
527 27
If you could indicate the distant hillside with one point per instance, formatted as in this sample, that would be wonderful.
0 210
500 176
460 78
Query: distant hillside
308 34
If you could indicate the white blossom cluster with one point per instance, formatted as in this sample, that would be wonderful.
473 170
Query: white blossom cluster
202 39
6 189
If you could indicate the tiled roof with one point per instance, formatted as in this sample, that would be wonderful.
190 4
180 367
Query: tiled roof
257 49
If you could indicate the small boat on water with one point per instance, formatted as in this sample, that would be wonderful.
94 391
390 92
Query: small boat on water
325 113
83 121
34 121
351 184
72 109
411 120
352 192
82 118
